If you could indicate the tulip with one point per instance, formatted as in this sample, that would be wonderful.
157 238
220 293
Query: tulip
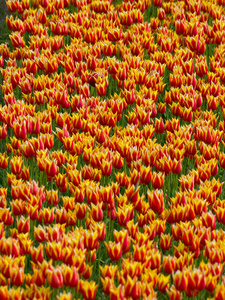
37 254
132 193
52 197
46 216
91 240
107 284
70 276
174 294
40 234
168 264
23 225
211 282
196 280
3 132
180 281
187 236
17 40
114 250
123 238
124 215
145 175
156 202
106 168
97 212
220 214
132 288
155 261
176 168
38 278
163 283
209 220
4 294
117 161
16 164
20 130
159 126
88 289
17 276
51 168
165 242
157 180
3 161
87 273
61 216
55 278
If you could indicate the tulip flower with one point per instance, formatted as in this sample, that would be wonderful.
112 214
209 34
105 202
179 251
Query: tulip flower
88 289
168 264
106 168
140 253
209 220
97 212
3 161
176 168
51 168
211 282
20 130
23 225
165 242
16 164
155 261
40 234
156 201
174 294
187 236
163 283
107 284
124 214
70 276
91 240
17 40
46 216
37 254
180 281
114 250
4 294
196 280
17 276
145 175
52 197
132 288
3 132
55 278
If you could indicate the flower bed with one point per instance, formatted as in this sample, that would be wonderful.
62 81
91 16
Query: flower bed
112 150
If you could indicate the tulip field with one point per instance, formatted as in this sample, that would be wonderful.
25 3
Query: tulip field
112 150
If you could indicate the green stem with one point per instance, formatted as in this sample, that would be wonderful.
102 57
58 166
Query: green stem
194 60
109 229
51 190
176 184
41 178
31 169
187 256
207 54
154 11
98 266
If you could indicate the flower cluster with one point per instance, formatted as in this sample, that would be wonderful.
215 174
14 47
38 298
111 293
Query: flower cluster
112 150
